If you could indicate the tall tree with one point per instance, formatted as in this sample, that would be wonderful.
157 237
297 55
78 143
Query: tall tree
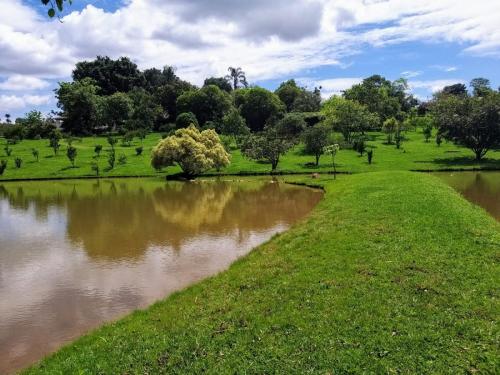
7 118
209 103
288 92
258 106
220 82
458 89
237 76
110 75
480 86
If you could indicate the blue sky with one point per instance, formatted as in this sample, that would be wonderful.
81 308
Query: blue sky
328 43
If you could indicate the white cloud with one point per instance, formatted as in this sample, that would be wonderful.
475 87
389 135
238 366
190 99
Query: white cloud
16 102
331 86
411 73
19 83
433 85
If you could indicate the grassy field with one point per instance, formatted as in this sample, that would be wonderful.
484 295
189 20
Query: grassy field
393 272
415 154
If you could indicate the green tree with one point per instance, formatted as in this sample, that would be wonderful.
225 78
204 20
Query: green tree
348 117
291 126
209 103
389 127
3 166
315 141
186 119
332 150
220 82
115 111
79 103
71 153
237 77
166 96
54 140
234 124
288 92
194 151
145 113
257 106
480 86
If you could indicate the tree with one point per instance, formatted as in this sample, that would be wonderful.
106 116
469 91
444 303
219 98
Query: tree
7 118
389 127
308 101
236 76
209 103
194 151
71 153
186 119
315 141
427 132
332 150
80 105
115 111
473 122
166 96
111 76
288 92
257 106
54 140
348 117
458 89
155 78
145 113
291 126
267 146
220 82
234 124
480 86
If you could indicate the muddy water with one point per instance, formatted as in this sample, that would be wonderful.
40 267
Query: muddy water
75 254
481 188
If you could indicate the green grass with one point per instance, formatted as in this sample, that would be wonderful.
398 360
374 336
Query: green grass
415 154
393 272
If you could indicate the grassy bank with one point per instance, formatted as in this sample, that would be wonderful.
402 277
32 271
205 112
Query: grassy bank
415 154
392 273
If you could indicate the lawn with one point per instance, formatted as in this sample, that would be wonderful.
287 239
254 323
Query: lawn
393 272
415 154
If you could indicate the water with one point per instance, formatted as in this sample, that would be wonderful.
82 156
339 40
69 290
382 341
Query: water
481 188
75 254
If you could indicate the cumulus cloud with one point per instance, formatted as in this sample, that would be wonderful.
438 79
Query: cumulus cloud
23 83
434 85
331 86
15 102
411 73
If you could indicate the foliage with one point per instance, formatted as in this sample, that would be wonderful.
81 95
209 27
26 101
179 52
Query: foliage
427 132
359 145
111 158
389 127
166 96
122 159
473 122
288 92
138 151
115 111
35 154
112 142
209 103
8 150
35 126
127 138
315 141
348 117
291 126
79 103
439 139
234 124
54 140
186 119
369 155
267 146
298 99
480 87
194 151
13 132
332 150
71 153
258 106
220 82
458 89
97 150
146 113
3 166
94 166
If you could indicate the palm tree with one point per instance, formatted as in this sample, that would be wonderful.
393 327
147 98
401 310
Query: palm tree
7 118
237 76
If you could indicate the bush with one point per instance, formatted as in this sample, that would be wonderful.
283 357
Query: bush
369 154
439 140
112 142
18 162
3 166
71 153
359 145
8 150
111 159
186 119
127 139
315 141
35 153
138 151
95 168
122 159
427 131
97 150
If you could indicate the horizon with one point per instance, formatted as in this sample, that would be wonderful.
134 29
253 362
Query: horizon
333 44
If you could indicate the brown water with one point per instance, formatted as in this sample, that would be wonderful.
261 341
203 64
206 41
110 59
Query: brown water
481 188
75 254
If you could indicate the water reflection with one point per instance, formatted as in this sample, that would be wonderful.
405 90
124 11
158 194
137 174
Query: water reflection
481 188
76 253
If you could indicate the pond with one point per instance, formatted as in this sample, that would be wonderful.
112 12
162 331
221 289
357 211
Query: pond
75 254
481 188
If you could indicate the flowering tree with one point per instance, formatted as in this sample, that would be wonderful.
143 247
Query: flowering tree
194 151
332 151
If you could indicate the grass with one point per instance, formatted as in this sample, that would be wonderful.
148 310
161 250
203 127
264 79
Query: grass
393 272
415 154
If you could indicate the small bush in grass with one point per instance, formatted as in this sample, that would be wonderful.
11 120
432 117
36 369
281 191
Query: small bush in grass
3 166
8 150
35 153
439 140
55 145
359 145
138 150
427 131
18 162
127 139
71 153
13 141
112 142
95 168
122 159
97 150
369 154
111 159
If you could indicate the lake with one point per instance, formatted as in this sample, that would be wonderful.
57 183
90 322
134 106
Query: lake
77 253
481 188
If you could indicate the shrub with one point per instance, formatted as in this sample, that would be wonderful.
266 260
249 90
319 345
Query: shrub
111 159
389 127
439 140
359 145
8 150
186 119
35 153
71 153
427 131
315 141
13 141
122 159
18 162
3 166
369 154
112 142
95 168
97 150
127 139
138 151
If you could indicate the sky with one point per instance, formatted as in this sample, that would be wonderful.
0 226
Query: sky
329 43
